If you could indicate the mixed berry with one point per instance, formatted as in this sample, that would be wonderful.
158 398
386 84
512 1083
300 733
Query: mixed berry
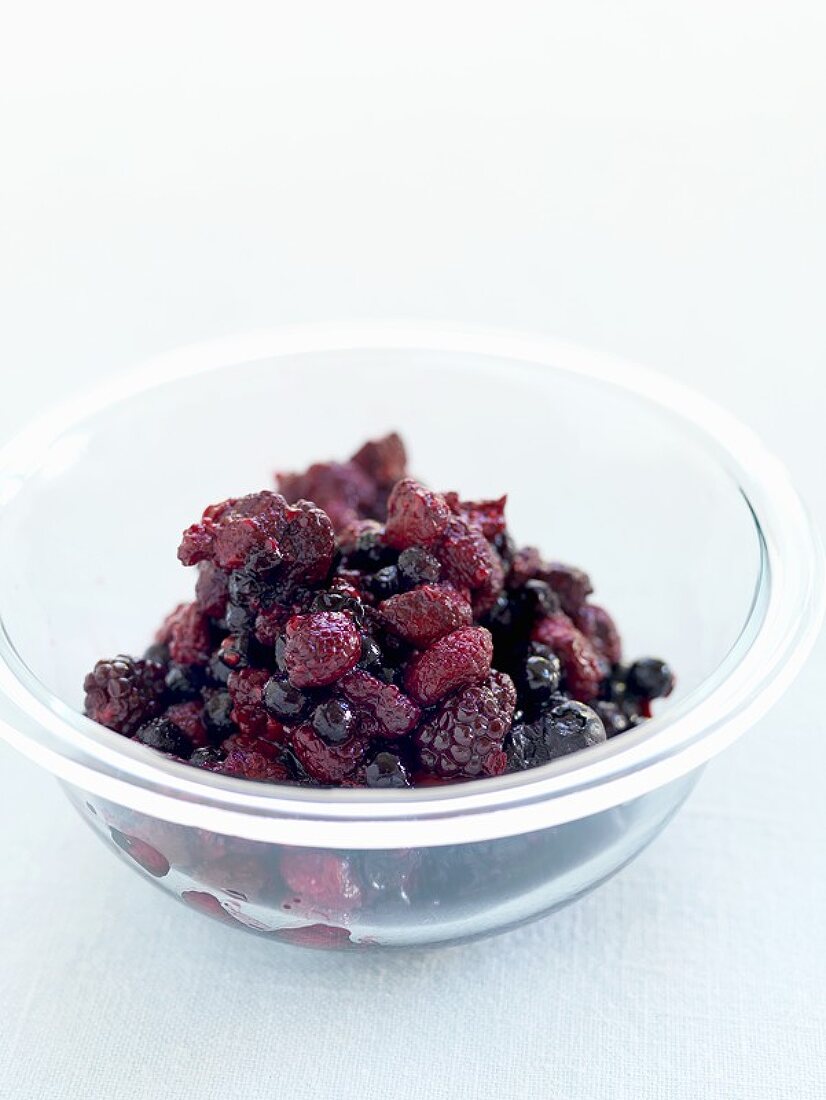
384 635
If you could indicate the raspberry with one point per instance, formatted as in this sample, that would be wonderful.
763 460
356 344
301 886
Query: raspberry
322 762
122 694
321 647
342 489
246 688
460 658
263 531
416 516
580 661
467 558
487 515
464 740
504 691
524 566
384 460
601 630
269 624
320 880
426 614
189 718
571 585
186 632
143 854
211 590
383 710
249 764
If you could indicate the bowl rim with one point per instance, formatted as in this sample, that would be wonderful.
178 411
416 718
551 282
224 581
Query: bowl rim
780 630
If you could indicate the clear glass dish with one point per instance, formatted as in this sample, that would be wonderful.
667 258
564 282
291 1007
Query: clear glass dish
692 532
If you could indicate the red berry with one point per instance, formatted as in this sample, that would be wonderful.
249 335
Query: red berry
320 936
342 489
383 709
321 647
601 630
320 880
207 904
384 460
262 528
189 717
323 762
464 740
416 516
143 854
426 614
186 631
526 564
250 764
123 694
460 658
246 687
572 585
580 661
269 624
211 590
487 515
468 559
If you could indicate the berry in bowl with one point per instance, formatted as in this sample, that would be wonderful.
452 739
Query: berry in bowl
362 630
376 719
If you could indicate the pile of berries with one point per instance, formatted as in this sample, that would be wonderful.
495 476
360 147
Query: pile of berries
384 635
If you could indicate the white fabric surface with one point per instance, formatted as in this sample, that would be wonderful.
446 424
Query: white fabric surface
648 179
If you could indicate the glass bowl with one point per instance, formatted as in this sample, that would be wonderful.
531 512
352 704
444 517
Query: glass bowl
691 531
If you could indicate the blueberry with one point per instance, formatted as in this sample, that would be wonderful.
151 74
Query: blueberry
218 713
334 720
207 755
285 702
570 727
650 678
386 770
369 552
383 584
281 653
158 653
238 619
163 735
339 601
184 682
613 717
416 566
542 676
217 670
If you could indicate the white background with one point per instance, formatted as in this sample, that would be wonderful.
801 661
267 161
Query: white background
646 177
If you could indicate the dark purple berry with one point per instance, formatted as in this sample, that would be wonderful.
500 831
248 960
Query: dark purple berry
165 736
384 584
416 566
157 653
281 653
285 702
386 770
650 678
204 757
338 601
184 682
218 714
334 720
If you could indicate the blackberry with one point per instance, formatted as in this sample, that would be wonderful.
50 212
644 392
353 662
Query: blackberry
218 714
165 736
416 566
334 720
650 678
386 770
123 694
285 702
